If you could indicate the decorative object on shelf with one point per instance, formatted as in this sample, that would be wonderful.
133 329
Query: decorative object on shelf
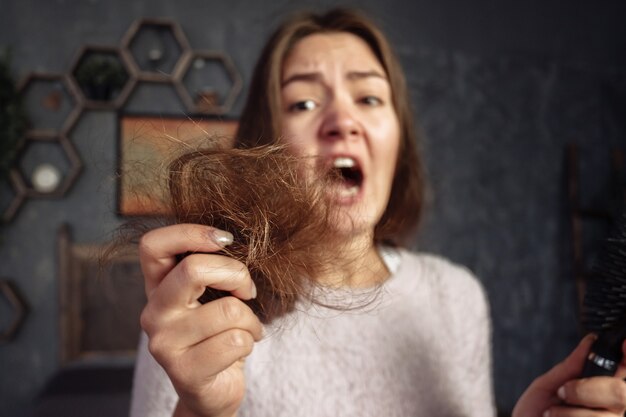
155 49
46 178
10 294
60 162
145 145
209 83
51 102
102 76
13 125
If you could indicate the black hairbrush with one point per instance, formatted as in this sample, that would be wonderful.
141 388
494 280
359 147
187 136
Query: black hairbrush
604 306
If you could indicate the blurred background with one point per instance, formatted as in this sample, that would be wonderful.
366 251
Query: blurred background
522 105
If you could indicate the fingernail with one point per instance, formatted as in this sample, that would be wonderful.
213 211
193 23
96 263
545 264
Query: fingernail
253 289
561 393
546 413
222 237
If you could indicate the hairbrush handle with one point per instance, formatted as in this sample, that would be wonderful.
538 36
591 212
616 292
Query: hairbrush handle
604 356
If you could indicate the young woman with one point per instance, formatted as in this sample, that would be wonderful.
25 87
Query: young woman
328 86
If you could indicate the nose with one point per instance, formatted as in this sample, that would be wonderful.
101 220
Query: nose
340 121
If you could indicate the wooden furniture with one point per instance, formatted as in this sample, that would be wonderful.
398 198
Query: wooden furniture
99 303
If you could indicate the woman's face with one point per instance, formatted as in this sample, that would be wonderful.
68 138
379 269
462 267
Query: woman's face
337 106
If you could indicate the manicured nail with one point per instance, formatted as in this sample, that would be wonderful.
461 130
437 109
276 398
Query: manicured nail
253 289
222 237
561 393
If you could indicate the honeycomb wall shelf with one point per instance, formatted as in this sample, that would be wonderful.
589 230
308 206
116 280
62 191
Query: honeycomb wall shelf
17 189
10 294
51 100
70 170
209 83
155 49
102 77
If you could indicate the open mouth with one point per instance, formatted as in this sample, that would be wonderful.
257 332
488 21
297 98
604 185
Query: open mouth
346 173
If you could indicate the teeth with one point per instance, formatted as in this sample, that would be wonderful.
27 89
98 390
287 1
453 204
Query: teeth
349 192
344 162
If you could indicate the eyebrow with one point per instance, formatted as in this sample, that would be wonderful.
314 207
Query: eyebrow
313 77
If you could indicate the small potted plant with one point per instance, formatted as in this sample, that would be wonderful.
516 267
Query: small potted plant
101 76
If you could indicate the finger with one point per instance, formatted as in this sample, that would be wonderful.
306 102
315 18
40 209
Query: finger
182 287
602 392
564 411
569 368
621 369
158 248
200 363
230 381
203 323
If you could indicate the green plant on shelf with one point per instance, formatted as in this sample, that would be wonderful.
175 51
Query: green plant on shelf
101 76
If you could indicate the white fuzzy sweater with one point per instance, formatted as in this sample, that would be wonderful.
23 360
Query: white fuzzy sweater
422 348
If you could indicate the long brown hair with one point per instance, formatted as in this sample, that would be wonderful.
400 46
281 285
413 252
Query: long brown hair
279 220
260 121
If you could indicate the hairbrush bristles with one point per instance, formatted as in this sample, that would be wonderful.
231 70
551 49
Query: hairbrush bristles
604 307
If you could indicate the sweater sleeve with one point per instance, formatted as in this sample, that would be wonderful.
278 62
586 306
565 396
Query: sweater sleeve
471 330
479 385
153 394
461 333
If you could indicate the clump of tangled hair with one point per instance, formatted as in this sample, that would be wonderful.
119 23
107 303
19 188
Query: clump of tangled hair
278 215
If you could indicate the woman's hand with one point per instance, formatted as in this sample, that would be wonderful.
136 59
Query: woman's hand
560 392
201 347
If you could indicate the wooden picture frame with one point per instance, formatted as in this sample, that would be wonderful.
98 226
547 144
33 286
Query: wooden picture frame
99 305
147 143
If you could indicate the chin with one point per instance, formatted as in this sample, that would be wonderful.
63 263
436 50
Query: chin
354 226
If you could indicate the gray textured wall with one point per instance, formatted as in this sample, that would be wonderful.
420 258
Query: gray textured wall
500 88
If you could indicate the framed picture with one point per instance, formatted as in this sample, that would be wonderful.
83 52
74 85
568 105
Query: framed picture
147 144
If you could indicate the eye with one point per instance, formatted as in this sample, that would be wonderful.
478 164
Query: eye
371 101
302 105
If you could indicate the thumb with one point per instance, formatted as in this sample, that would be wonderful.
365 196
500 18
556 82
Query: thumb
621 369
570 368
542 393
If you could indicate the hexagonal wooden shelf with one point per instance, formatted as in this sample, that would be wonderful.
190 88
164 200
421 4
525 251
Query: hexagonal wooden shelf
51 100
9 291
18 188
102 76
75 166
205 96
155 49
